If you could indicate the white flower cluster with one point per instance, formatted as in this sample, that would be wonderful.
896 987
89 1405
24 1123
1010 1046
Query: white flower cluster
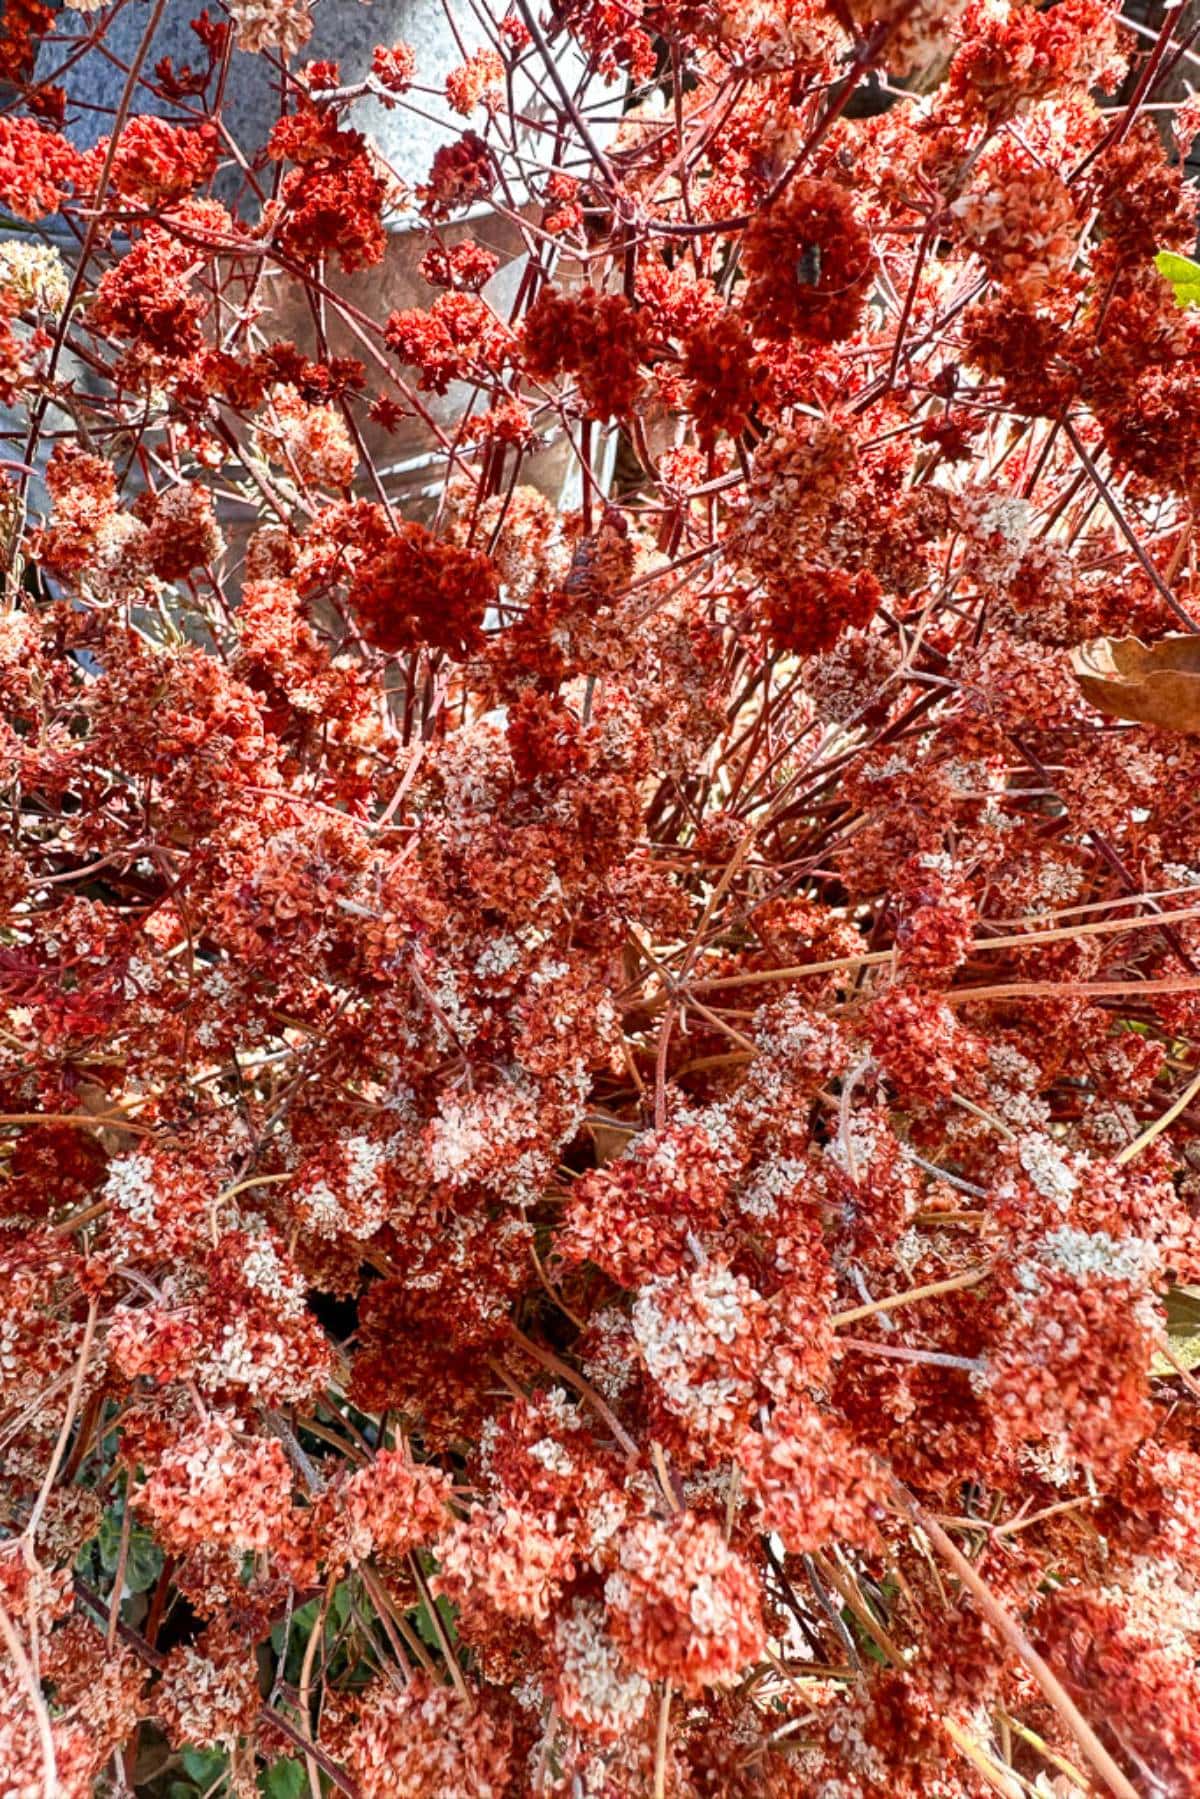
35 274
1094 1253
598 1691
1048 1169
680 1322
131 1188
284 25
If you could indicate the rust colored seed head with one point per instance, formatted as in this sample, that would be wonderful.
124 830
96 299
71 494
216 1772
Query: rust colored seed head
809 265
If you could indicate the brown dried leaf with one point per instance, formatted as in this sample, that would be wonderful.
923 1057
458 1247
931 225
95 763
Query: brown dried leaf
1153 683
1183 1332
611 1139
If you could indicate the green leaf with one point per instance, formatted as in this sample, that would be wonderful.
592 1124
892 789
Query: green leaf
303 1619
204 1766
284 1779
424 1625
340 1606
862 1637
144 1562
338 1614
1183 274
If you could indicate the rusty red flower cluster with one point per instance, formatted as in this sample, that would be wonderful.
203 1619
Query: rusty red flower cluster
599 1050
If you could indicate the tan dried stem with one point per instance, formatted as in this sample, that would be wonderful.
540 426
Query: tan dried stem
37 1705
662 1738
953 1284
29 1534
1002 1621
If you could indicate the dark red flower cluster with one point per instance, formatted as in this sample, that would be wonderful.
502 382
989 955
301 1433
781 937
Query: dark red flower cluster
461 173
37 166
415 589
155 163
331 204
394 68
457 339
595 337
467 266
808 264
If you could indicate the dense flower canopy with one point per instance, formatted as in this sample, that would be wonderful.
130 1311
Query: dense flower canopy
598 1044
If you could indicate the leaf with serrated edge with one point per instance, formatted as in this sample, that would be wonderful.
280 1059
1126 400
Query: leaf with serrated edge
1182 273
